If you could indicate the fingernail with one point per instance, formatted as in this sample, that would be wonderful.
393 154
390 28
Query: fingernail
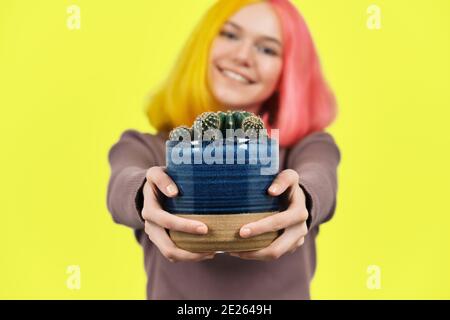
273 188
171 189
245 232
202 229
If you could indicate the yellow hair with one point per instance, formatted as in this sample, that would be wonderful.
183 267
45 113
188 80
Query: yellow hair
185 94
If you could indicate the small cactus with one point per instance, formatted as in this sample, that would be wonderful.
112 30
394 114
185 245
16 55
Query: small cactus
251 126
207 121
180 133
212 121
252 122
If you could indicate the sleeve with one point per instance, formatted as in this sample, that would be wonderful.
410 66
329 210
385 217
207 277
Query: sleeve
129 159
316 158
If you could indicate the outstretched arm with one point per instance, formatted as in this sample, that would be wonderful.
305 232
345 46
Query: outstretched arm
129 160
316 159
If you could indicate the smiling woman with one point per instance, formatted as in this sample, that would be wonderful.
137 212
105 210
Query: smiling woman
257 56
264 50
246 58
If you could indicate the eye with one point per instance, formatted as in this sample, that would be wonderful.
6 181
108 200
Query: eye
267 50
228 35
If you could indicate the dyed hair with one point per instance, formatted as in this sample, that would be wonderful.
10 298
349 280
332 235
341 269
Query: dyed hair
303 104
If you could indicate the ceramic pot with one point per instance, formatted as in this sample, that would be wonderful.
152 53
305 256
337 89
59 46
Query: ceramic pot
223 184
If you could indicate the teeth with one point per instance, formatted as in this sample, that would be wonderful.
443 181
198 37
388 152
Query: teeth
235 76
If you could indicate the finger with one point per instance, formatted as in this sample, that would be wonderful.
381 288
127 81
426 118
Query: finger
297 245
168 249
293 215
151 199
172 222
276 249
163 182
284 180
300 242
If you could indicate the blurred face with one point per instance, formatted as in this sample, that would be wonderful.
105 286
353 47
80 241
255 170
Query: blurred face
246 58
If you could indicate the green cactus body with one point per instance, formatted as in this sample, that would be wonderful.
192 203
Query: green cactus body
197 127
239 116
251 126
211 121
180 133
229 121
223 120
207 121
252 122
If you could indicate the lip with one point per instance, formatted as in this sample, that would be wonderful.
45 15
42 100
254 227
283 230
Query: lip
249 79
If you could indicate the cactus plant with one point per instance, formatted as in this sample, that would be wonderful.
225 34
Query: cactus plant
207 121
180 133
247 121
251 126
239 116
252 122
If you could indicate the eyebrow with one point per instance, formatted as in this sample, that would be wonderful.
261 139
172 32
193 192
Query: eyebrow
263 37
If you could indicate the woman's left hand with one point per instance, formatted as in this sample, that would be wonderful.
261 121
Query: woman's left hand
293 220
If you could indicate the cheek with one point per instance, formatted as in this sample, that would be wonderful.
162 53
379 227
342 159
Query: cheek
270 72
217 50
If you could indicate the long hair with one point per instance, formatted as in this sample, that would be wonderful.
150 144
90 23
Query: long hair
302 104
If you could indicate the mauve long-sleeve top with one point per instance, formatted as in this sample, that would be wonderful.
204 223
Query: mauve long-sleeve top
315 158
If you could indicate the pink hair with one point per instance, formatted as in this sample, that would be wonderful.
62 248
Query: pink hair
306 103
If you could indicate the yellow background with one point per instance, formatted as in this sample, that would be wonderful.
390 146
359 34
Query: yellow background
66 95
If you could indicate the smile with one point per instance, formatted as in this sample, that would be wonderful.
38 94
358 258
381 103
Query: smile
235 76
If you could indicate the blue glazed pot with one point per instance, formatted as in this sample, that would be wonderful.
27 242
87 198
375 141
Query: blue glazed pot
224 184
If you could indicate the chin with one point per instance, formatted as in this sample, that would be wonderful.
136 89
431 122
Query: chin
234 104
231 100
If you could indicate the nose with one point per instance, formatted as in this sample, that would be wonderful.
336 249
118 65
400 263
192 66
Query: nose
243 56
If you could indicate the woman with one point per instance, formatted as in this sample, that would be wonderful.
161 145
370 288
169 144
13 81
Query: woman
257 56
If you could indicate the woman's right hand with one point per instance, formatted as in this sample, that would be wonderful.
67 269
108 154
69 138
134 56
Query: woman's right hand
157 220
